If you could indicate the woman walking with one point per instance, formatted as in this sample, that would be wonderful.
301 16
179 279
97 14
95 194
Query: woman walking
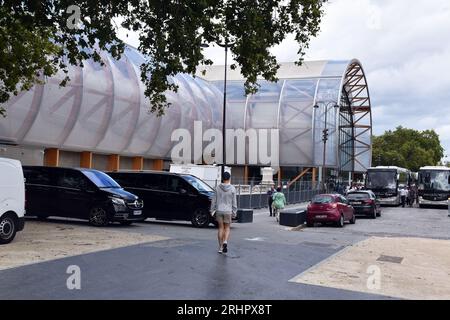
279 202
224 207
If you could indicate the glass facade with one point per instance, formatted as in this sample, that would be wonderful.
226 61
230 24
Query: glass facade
302 107
103 109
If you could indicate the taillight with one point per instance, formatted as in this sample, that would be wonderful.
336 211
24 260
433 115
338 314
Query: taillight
334 206
370 201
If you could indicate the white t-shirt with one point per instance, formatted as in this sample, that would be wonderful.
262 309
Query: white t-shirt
403 193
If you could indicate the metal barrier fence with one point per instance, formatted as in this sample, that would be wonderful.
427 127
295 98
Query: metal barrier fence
254 196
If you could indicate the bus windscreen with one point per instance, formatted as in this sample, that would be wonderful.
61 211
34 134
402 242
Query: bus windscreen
382 180
435 180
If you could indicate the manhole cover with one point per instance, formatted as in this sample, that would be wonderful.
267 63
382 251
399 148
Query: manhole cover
390 259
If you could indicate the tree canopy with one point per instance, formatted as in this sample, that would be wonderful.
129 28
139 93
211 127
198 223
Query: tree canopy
407 148
37 38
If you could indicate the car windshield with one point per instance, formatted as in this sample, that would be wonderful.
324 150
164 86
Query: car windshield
322 199
382 180
435 180
198 184
358 196
100 179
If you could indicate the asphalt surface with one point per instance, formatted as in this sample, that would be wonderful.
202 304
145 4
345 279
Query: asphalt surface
263 257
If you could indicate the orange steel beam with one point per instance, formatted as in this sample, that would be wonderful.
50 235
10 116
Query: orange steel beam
86 159
158 165
138 163
279 177
114 162
51 157
314 176
299 177
245 174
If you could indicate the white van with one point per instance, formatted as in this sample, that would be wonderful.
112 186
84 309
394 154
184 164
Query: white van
12 199
211 174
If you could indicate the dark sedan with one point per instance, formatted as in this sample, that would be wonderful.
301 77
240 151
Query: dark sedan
365 203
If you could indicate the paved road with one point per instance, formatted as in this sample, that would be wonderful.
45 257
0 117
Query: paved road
263 258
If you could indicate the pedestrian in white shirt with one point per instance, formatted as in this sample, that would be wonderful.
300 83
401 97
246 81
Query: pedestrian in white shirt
403 196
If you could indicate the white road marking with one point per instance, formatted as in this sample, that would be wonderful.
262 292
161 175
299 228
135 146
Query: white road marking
255 239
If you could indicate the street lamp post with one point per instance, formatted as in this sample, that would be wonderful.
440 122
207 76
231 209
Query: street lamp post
325 134
224 45
224 111
325 139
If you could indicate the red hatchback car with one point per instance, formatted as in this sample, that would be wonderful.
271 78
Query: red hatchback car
330 208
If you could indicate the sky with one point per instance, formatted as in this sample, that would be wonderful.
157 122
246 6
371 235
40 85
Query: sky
404 47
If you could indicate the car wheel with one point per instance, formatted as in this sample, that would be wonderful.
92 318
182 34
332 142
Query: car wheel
353 220
200 218
374 214
98 217
8 229
340 223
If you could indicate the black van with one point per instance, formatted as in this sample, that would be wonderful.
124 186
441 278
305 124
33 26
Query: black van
79 193
170 196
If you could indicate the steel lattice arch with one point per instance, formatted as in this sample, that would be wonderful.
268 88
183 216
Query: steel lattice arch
103 110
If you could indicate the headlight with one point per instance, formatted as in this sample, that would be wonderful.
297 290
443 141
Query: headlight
119 204
118 201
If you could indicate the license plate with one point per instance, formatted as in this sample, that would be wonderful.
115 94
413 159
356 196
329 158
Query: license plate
322 217
137 212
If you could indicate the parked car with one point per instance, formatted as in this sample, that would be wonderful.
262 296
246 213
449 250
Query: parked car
79 193
365 202
12 199
170 196
330 208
